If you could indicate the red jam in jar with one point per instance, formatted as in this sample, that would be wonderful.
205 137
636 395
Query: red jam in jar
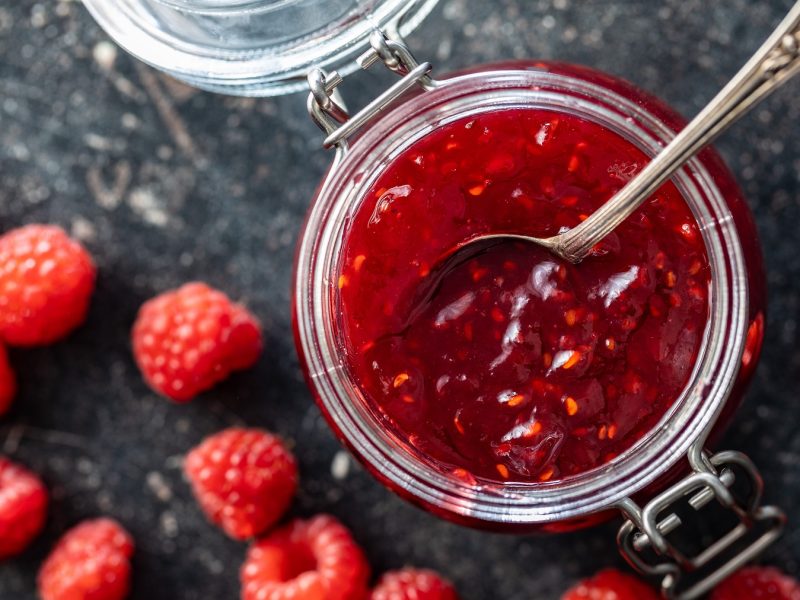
504 362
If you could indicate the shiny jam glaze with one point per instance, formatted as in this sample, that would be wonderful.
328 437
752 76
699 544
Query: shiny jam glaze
508 363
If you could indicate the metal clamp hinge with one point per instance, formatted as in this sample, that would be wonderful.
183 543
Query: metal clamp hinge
327 108
786 55
688 577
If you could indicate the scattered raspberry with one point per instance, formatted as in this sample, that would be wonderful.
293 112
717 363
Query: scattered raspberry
8 382
611 584
188 339
23 507
413 584
758 583
91 562
306 560
243 479
46 282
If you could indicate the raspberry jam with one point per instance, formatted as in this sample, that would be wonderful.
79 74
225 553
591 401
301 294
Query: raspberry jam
502 362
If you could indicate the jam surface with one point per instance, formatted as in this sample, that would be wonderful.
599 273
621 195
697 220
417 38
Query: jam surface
500 361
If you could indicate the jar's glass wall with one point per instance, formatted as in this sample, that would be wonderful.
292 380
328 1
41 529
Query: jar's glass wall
712 195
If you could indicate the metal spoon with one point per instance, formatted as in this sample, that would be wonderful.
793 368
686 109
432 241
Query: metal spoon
777 61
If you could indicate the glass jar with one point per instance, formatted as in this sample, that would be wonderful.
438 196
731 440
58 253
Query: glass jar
266 47
737 290
725 363
251 47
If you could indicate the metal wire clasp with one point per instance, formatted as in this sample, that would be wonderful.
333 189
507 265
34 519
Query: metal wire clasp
643 542
327 108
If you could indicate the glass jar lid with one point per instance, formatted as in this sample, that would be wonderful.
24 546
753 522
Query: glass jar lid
252 47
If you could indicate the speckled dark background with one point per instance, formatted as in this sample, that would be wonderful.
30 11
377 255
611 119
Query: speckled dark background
165 184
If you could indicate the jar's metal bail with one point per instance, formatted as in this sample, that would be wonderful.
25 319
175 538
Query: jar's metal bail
642 538
327 108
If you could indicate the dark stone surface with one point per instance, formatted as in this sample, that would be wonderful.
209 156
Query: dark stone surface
165 184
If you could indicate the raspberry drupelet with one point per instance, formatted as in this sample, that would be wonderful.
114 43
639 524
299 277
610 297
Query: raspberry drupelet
187 340
244 480
46 283
90 562
315 559
413 584
23 508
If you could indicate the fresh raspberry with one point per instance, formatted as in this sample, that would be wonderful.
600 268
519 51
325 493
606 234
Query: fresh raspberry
611 584
91 562
413 584
758 583
46 282
243 479
8 382
23 507
306 560
187 340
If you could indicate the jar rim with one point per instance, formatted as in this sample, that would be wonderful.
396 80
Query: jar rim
212 6
201 41
603 487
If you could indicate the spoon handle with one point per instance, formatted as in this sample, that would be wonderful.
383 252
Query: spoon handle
777 61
